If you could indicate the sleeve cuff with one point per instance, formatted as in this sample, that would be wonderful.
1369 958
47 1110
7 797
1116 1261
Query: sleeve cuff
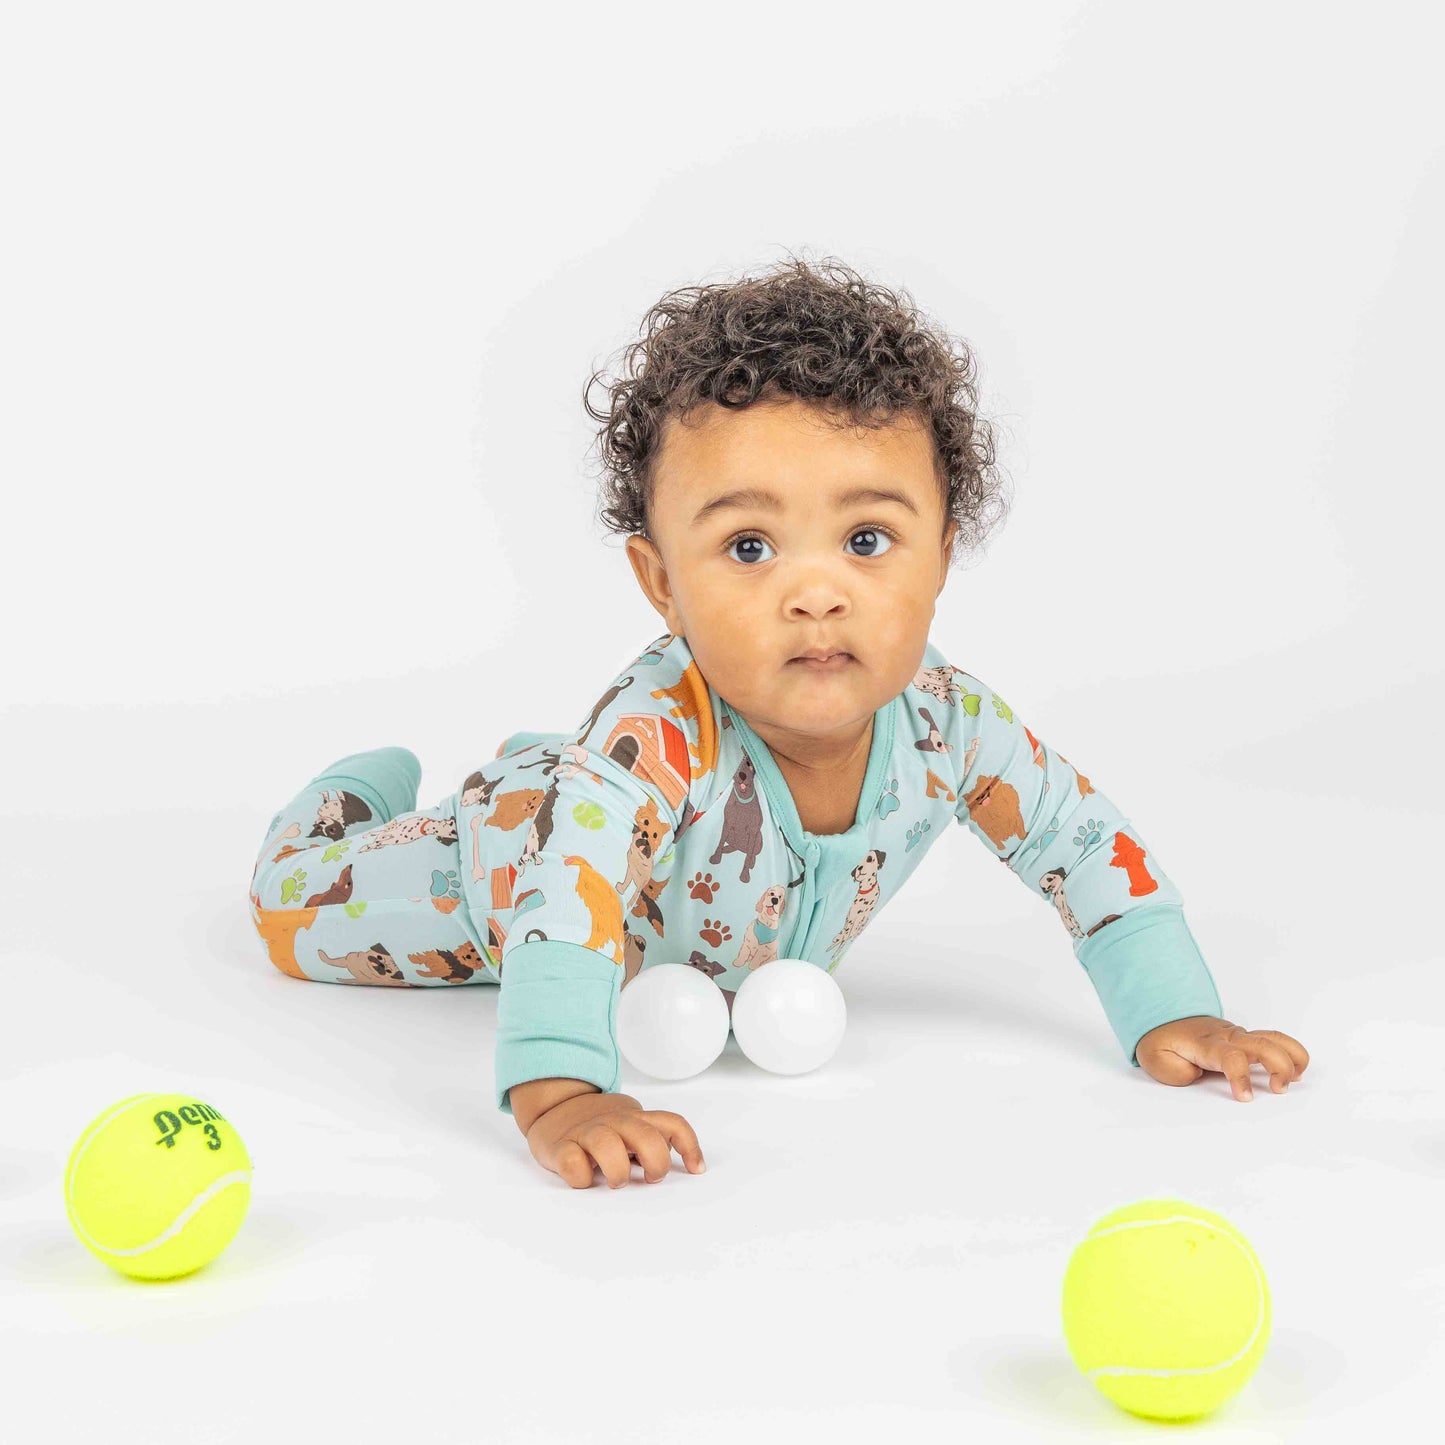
557 1017
1148 970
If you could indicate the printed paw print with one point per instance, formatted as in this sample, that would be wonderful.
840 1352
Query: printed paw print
446 892
336 850
889 803
915 834
703 886
1090 834
714 932
971 701
291 887
1002 708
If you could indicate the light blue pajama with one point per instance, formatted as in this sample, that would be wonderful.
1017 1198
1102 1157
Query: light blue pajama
660 830
353 886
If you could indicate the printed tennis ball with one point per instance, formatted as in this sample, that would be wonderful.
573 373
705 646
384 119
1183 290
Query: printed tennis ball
1166 1308
157 1185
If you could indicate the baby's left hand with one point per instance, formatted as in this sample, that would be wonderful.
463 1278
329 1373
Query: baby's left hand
1180 1052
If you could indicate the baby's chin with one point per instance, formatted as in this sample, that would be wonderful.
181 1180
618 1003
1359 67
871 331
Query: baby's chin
807 700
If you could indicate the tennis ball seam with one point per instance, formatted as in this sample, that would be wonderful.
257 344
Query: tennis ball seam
238 1176
1202 1369
98 1127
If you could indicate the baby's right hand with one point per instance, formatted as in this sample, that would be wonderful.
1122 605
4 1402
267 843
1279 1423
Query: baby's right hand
611 1130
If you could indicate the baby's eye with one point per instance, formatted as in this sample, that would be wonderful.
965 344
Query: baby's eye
746 542
875 535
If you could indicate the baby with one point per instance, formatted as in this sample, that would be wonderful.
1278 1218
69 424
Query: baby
792 464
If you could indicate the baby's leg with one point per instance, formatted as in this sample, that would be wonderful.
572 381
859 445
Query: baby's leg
353 884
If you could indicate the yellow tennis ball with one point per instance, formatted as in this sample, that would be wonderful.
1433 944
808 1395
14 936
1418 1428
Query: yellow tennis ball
1166 1308
157 1185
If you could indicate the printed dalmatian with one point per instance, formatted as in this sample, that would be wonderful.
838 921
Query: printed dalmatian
409 828
865 875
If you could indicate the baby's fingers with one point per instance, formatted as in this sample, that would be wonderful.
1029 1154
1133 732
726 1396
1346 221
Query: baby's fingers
569 1159
647 1144
1296 1053
680 1136
605 1143
580 1152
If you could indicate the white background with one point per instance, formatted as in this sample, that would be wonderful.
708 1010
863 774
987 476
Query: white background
298 306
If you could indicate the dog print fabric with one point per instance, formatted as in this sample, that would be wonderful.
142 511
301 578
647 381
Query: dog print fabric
660 830
344 892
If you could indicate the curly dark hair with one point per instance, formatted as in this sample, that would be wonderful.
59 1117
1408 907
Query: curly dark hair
862 353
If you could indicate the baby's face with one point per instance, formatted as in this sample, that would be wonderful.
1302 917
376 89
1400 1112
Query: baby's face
751 584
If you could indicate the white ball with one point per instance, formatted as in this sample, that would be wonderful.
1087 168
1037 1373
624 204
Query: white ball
789 1016
672 1021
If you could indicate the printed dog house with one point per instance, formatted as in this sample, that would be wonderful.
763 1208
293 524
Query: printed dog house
655 749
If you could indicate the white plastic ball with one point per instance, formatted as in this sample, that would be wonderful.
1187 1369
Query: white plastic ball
789 1016
672 1021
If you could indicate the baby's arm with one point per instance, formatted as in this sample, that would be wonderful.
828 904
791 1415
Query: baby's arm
1076 851
1064 838
596 838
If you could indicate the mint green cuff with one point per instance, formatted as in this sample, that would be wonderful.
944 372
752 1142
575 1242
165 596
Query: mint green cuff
1148 970
387 778
557 1017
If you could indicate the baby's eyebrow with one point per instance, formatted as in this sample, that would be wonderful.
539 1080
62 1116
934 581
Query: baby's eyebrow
764 500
